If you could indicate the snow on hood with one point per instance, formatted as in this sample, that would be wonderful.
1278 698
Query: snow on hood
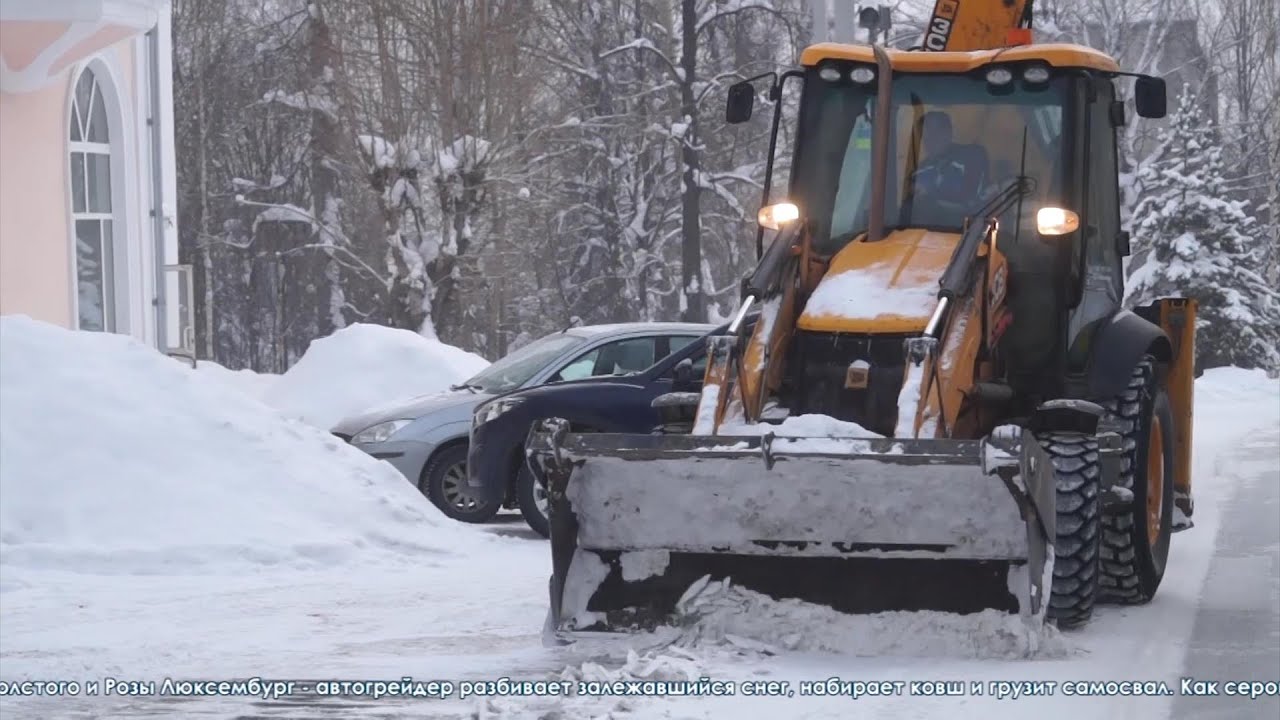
871 294
364 366
115 459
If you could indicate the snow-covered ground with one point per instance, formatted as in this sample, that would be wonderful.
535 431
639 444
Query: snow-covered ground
127 552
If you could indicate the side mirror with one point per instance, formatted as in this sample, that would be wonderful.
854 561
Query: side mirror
742 99
1149 97
682 374
1123 247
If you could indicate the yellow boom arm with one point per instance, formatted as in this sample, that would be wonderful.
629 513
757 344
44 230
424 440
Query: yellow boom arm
964 25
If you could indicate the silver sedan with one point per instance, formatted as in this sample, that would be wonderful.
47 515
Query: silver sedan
426 437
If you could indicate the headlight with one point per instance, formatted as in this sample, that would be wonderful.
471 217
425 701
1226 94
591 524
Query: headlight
775 216
1056 221
1036 74
381 432
493 410
999 76
862 75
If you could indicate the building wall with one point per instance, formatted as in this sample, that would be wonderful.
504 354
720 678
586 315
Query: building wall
36 244
35 258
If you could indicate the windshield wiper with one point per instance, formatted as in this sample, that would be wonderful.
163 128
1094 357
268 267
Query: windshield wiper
466 386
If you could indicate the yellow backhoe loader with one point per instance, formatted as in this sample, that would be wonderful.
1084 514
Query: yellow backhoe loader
943 404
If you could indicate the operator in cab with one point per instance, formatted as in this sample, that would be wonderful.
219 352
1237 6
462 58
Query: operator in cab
951 176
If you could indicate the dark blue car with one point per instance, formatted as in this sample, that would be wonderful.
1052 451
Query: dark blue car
613 404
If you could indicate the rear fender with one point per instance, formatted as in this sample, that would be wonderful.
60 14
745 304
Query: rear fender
1116 346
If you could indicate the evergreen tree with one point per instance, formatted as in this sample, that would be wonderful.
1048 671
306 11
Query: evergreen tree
1192 240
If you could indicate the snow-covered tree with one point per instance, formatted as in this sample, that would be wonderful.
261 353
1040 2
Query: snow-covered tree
1190 240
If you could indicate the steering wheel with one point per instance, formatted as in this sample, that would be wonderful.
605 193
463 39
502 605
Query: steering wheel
943 184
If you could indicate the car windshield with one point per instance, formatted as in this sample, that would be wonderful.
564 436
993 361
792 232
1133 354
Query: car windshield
515 369
955 142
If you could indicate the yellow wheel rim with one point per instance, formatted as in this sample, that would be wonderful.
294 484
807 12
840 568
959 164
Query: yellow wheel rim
1155 479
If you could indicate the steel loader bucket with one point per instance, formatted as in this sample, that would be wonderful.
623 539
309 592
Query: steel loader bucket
858 525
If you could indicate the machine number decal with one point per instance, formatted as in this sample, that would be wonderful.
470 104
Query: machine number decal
941 24
998 280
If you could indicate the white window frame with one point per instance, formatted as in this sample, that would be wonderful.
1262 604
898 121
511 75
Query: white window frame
117 294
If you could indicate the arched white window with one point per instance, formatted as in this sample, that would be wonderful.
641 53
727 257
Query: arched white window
93 215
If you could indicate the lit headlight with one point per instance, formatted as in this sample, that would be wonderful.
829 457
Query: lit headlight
381 432
777 215
494 410
1056 221
862 75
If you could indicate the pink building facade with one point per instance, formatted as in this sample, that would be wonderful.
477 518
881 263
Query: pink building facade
88 236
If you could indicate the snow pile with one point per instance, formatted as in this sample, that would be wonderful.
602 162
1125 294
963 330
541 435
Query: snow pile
253 384
364 366
114 459
718 613
1227 386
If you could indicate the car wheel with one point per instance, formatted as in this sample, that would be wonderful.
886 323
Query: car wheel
444 482
534 503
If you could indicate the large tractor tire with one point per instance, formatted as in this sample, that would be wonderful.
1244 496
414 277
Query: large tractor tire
1078 476
1135 542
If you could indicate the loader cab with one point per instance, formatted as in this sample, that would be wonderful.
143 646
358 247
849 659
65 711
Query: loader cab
1023 115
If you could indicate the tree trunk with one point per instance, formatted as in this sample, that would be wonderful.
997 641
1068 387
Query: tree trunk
325 148
695 306
205 244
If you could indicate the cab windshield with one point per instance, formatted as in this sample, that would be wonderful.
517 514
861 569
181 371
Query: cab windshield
955 142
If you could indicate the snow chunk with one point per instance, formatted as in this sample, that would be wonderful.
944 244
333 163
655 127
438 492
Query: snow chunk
802 426
171 474
303 101
644 564
382 152
279 213
909 402
718 613
586 572
364 366
707 410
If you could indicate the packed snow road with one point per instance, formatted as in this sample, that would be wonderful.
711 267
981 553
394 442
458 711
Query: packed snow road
315 564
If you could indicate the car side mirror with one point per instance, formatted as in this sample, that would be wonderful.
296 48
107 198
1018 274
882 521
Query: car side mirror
682 374
1149 97
1122 244
742 99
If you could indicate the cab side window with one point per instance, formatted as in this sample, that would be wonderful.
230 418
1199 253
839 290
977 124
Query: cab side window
1104 190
